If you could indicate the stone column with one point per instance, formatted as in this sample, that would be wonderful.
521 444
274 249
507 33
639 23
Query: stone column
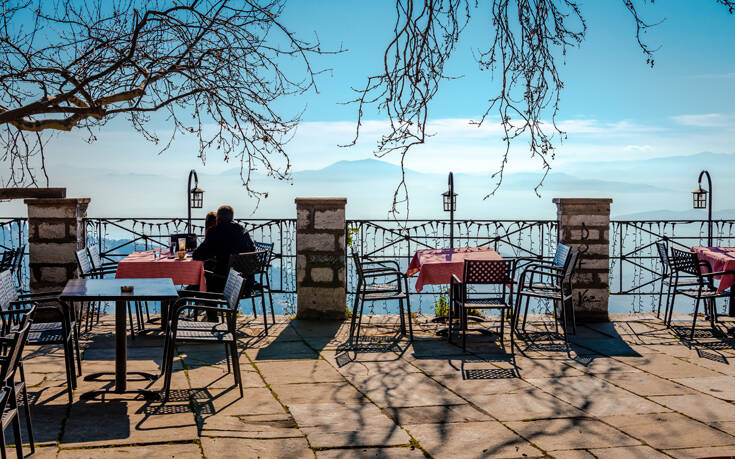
320 258
55 232
584 224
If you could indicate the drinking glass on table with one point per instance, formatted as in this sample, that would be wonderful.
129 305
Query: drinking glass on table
156 253
182 243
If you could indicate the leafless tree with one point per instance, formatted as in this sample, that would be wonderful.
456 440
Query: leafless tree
210 68
527 42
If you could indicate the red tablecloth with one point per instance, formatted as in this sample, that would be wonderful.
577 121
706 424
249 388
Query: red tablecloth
144 265
721 259
436 266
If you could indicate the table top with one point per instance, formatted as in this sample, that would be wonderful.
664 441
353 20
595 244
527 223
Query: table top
456 255
109 289
147 256
716 252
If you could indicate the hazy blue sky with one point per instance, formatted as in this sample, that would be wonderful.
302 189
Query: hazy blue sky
614 105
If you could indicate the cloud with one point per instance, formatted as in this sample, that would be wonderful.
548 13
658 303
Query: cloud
641 148
707 120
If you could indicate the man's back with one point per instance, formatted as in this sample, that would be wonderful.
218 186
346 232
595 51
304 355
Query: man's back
222 241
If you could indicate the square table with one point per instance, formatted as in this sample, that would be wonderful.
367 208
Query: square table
109 290
721 259
144 265
436 266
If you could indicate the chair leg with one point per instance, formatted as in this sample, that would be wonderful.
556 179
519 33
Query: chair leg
450 319
463 326
227 357
502 328
255 311
69 379
236 366
670 305
265 314
410 323
130 316
525 313
27 410
3 454
16 425
169 371
694 320
270 298
75 338
512 333
359 319
354 315
403 319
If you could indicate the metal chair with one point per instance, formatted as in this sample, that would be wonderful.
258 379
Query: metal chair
264 283
223 331
369 290
61 331
686 264
666 276
7 260
248 265
13 378
560 291
463 298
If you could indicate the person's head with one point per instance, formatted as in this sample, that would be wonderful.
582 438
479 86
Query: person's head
225 214
211 220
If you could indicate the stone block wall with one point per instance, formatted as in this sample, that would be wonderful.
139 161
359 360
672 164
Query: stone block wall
55 232
584 225
320 258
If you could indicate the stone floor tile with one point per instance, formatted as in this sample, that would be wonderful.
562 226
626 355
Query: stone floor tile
725 426
669 430
333 414
667 366
282 350
540 368
697 453
275 425
298 371
458 383
217 402
435 414
188 450
414 389
646 384
217 377
718 386
256 448
471 439
299 394
556 434
533 404
572 454
599 365
342 436
376 453
699 406
365 364
629 452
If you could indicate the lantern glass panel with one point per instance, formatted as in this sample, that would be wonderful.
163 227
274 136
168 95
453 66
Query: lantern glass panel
699 198
197 198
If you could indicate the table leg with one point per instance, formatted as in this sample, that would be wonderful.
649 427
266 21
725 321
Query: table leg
121 350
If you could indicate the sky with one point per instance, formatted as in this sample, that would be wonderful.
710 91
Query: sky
614 106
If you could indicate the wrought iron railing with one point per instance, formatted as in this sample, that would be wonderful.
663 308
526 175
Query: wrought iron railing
118 237
634 265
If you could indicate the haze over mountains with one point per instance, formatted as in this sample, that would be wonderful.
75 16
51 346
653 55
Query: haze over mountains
651 188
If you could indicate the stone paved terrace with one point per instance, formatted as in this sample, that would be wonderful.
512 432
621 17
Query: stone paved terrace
629 388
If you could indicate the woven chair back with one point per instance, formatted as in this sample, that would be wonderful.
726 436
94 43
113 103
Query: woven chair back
268 247
248 263
94 256
663 255
15 350
685 262
8 293
488 271
233 288
83 262
561 257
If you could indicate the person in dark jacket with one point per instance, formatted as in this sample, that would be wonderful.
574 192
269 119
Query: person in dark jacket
221 241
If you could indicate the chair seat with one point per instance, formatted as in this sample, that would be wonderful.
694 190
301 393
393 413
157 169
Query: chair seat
212 334
377 296
377 287
202 326
541 293
706 292
545 286
8 415
682 282
46 333
484 303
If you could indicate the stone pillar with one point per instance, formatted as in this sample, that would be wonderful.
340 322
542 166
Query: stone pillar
584 224
320 258
55 232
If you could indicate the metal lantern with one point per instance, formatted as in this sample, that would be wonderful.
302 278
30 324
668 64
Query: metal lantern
197 198
450 201
699 198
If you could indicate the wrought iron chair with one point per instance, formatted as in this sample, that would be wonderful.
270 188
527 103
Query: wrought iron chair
7 260
223 331
666 277
560 291
248 265
263 282
13 378
61 331
369 290
463 299
686 264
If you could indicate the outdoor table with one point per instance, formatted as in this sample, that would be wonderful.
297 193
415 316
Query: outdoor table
144 265
110 290
721 259
436 266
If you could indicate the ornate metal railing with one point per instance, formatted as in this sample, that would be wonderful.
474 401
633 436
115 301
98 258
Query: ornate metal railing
118 237
387 239
14 235
634 262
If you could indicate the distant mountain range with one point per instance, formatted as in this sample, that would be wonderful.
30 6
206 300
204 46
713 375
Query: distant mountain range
640 189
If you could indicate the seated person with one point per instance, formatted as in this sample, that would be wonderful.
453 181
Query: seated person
210 222
221 241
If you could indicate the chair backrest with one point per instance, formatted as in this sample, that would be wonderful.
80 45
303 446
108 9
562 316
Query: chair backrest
268 247
19 253
7 260
85 267
248 263
358 264
233 289
94 256
561 257
488 272
572 264
9 363
8 293
663 255
685 262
